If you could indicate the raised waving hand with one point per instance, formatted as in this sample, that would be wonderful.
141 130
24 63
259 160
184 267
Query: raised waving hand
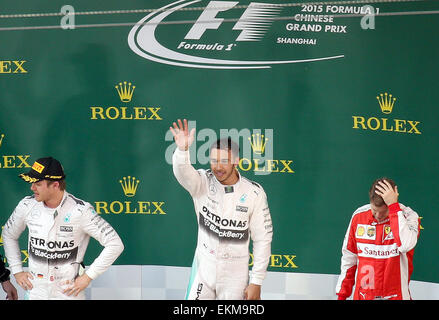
183 138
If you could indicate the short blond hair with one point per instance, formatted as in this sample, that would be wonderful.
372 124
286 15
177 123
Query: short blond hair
62 184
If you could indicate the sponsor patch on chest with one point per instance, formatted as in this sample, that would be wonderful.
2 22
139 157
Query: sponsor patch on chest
66 228
241 209
366 232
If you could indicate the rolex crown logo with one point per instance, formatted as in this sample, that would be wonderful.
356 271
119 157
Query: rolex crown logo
129 185
125 91
258 142
386 102
1 139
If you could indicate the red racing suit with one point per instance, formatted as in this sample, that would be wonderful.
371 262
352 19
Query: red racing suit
378 257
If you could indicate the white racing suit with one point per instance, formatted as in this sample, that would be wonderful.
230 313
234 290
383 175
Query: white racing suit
58 240
228 216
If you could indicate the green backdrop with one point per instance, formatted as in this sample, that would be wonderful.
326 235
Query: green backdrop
59 98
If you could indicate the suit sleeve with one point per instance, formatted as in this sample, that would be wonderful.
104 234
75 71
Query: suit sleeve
348 267
261 232
14 227
95 226
186 174
405 227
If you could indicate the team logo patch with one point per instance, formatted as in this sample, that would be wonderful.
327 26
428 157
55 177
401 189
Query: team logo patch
67 217
387 234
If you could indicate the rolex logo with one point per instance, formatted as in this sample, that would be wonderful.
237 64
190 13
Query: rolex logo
125 91
129 186
386 102
262 162
13 161
379 123
258 142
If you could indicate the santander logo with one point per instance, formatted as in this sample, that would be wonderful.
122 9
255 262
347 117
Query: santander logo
195 43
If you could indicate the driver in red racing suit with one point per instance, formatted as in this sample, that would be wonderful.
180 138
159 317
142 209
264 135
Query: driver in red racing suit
378 247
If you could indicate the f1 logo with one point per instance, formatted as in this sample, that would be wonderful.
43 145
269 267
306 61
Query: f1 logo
254 22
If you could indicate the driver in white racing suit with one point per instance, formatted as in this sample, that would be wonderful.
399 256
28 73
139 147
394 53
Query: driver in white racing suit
230 210
60 227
